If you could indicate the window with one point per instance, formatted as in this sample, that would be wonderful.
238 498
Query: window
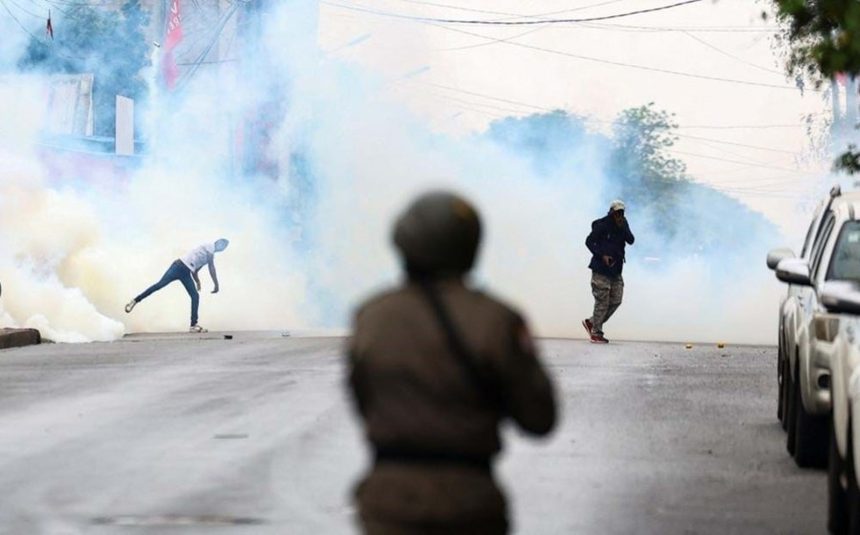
845 262
807 243
821 242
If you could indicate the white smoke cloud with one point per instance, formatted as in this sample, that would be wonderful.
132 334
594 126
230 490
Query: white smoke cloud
73 255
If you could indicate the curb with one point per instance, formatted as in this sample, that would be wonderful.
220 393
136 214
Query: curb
10 338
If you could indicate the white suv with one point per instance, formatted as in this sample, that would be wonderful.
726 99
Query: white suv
839 335
803 370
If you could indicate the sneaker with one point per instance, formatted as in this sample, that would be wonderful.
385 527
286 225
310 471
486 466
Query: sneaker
130 306
589 327
197 329
598 339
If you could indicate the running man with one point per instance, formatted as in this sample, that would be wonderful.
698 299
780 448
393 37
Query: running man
185 270
607 240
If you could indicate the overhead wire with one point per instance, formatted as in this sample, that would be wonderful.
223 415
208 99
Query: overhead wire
17 21
729 55
600 60
546 109
515 15
510 22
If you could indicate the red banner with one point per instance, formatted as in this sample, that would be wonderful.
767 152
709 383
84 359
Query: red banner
173 36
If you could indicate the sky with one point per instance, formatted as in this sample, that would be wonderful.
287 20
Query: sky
746 136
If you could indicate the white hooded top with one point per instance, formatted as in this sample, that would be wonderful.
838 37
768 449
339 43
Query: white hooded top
199 256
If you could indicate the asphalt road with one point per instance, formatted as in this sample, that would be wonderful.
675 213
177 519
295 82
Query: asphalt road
198 434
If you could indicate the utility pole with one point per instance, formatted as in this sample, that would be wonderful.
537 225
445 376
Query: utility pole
836 125
851 111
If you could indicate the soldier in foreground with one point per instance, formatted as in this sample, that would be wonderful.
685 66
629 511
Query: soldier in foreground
434 367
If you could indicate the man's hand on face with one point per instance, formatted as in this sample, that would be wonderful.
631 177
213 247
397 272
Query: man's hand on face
618 217
608 260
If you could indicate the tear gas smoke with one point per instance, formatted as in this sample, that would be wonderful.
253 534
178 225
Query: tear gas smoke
307 246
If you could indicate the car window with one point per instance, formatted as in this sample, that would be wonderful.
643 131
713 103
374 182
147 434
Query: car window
845 262
807 243
820 243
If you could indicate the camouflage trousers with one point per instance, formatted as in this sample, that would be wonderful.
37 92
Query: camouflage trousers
608 292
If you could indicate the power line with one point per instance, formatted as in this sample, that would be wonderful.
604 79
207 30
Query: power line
9 11
757 147
516 15
729 160
600 60
741 126
604 121
727 54
628 65
508 22
593 119
694 29
27 11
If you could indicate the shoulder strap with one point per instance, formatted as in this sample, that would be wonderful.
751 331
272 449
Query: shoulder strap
455 343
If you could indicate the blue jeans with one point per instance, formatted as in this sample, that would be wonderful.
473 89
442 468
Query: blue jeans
176 272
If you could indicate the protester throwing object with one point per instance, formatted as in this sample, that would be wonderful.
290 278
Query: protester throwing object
185 270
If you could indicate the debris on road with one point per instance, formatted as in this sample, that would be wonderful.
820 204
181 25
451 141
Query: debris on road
19 338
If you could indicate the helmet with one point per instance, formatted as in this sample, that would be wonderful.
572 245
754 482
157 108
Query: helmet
438 234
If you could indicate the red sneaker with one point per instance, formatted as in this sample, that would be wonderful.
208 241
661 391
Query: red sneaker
598 339
588 325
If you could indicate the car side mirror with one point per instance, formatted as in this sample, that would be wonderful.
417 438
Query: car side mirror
794 271
841 297
775 256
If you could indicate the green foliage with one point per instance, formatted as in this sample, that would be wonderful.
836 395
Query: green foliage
641 139
110 44
673 215
823 39
823 36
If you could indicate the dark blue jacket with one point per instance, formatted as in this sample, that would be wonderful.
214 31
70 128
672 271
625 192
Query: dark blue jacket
608 239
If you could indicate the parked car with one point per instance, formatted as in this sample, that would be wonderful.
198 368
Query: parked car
803 363
839 333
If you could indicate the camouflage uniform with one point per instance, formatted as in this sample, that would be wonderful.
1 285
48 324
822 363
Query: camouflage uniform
434 431
608 293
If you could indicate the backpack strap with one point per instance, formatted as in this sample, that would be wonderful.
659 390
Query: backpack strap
465 358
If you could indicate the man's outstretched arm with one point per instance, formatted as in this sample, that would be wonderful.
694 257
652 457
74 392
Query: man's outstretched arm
214 275
196 278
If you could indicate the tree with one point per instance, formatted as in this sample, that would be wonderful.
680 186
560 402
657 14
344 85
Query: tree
823 40
675 216
110 44
639 160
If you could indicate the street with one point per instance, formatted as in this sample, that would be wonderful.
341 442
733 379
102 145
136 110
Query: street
254 434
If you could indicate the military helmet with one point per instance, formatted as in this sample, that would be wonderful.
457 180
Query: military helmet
438 234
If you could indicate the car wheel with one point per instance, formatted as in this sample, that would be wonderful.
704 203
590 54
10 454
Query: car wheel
785 394
853 493
791 402
780 381
810 434
837 510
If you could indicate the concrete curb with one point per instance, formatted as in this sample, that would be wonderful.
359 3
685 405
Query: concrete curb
19 338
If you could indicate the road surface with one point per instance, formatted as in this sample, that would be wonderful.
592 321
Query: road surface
200 434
